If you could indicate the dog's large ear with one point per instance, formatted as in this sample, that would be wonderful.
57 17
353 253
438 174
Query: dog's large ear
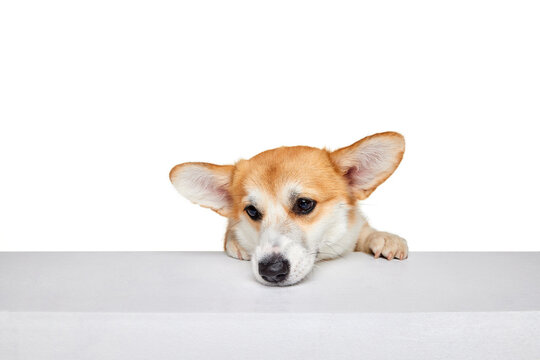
204 184
369 162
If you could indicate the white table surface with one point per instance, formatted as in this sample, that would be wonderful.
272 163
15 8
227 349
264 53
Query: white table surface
137 305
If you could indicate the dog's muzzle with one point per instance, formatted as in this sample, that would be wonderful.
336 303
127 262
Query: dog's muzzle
274 269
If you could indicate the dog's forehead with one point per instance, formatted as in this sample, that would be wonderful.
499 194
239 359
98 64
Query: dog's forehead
287 170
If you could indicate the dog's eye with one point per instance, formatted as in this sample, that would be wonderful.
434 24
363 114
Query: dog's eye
253 213
304 206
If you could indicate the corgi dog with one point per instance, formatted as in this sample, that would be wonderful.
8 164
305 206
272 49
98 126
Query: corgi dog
290 207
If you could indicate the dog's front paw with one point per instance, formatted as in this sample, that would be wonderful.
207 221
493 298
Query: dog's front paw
389 245
234 250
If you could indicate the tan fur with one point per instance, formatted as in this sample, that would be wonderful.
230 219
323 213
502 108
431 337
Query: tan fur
321 181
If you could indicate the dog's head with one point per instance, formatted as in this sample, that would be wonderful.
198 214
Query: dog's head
286 204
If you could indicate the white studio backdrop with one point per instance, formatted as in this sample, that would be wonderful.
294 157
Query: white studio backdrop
99 99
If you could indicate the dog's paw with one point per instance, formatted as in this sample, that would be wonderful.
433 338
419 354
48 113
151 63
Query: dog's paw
388 245
234 250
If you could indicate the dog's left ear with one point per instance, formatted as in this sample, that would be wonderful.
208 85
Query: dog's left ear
369 162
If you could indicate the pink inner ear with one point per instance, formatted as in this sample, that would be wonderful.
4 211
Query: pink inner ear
372 160
369 165
358 176
210 185
223 193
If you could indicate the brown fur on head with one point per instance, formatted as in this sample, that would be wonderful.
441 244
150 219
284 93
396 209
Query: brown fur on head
273 183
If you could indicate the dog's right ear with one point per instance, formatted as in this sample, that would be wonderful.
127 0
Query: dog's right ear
204 184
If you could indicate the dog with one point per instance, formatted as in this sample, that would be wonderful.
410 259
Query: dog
290 207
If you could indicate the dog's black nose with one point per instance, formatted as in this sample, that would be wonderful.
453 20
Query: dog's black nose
274 269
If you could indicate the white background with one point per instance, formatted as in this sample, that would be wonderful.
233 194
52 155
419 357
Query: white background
99 99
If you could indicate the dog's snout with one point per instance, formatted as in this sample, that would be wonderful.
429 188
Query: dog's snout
274 269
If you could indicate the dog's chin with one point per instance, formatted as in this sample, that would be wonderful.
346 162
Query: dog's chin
301 264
